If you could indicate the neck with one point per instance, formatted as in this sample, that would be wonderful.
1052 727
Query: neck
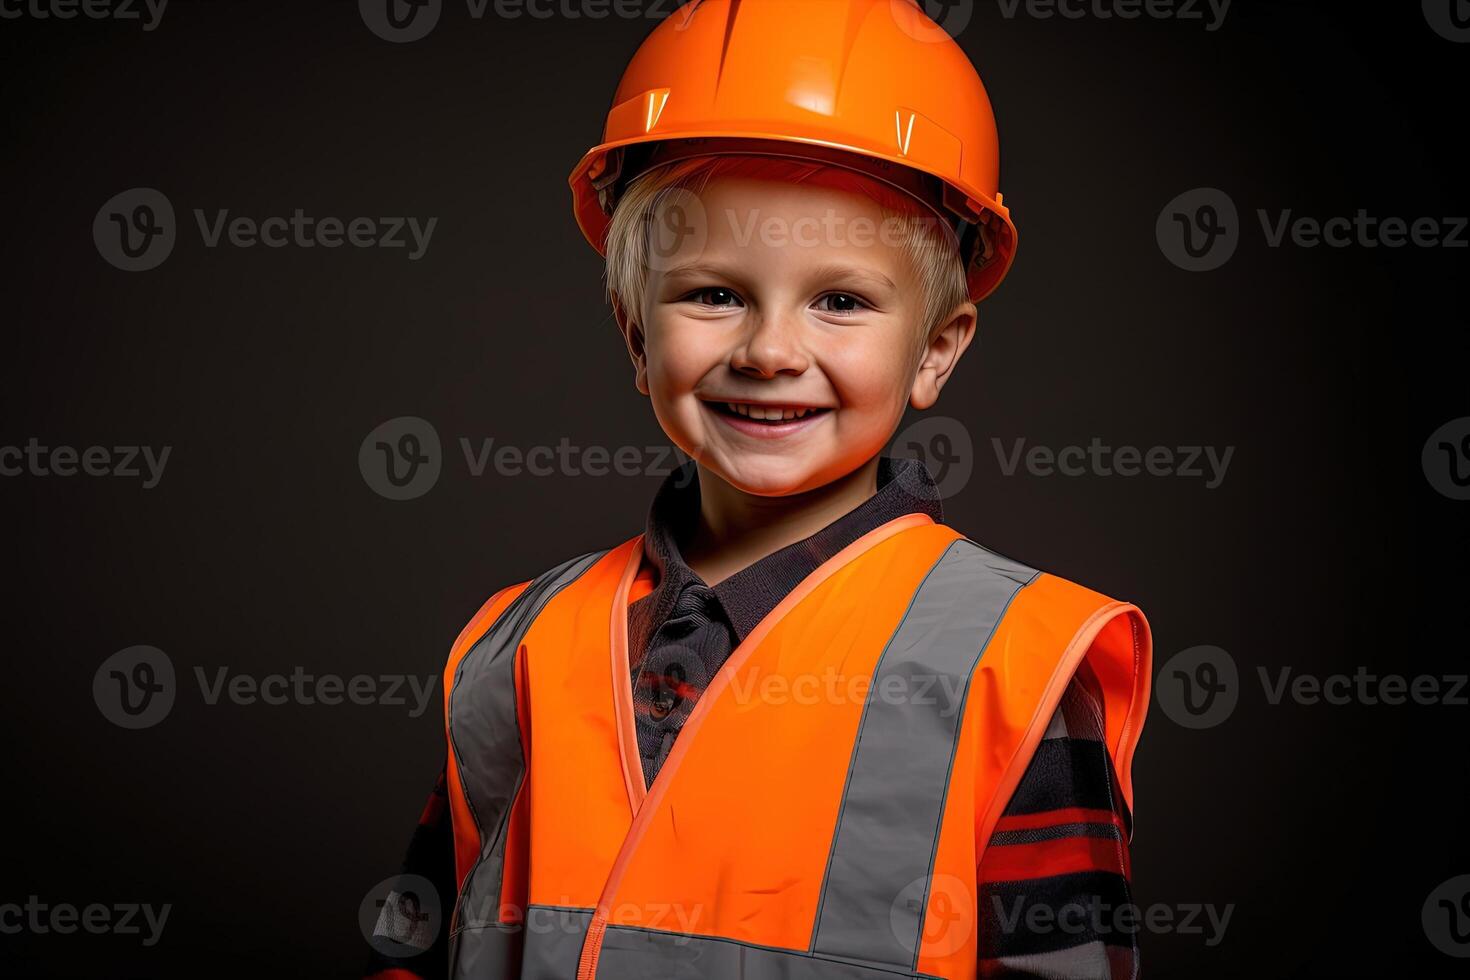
737 529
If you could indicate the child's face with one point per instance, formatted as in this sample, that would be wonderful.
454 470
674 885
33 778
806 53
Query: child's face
796 298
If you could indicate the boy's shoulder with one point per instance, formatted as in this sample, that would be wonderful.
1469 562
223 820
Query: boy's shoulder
982 556
534 590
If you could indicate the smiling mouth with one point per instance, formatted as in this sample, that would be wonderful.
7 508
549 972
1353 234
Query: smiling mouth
768 414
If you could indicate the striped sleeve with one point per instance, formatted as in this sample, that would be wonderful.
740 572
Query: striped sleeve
1055 901
430 855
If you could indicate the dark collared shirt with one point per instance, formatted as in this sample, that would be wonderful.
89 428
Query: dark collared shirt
685 629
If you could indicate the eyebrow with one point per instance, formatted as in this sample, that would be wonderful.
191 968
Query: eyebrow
691 269
849 272
830 271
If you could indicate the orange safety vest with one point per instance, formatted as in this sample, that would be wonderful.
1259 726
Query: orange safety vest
824 809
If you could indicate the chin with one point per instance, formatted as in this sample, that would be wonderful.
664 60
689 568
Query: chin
768 476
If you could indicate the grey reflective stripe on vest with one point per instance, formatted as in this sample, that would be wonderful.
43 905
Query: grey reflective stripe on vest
630 953
546 947
552 949
882 856
554 937
486 740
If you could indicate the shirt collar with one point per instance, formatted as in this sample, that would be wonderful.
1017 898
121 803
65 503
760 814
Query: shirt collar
904 487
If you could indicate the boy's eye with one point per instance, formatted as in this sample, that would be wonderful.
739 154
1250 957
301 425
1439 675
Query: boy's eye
715 297
841 303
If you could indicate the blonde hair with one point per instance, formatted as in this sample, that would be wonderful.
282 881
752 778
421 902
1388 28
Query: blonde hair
927 244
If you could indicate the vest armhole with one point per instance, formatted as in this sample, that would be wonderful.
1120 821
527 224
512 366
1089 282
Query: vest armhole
1113 639
1120 657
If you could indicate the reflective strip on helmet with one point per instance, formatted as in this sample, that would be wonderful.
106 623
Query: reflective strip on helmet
876 885
485 737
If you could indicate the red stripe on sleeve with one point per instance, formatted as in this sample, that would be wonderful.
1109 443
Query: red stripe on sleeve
1051 818
1065 855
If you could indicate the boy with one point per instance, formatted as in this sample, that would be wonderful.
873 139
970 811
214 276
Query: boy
798 728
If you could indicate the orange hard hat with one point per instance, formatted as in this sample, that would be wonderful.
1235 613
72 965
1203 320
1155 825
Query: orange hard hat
873 86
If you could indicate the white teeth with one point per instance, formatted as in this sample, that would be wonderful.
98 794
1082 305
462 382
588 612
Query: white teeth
768 413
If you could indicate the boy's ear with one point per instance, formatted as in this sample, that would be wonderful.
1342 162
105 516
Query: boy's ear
633 337
940 355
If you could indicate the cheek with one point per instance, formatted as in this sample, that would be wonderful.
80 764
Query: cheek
671 367
677 361
872 374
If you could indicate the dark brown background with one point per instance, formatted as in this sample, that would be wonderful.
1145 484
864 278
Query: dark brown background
263 548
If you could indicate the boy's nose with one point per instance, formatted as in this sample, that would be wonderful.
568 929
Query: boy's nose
773 346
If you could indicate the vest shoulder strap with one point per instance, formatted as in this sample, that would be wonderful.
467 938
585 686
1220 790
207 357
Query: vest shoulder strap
1051 628
484 653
